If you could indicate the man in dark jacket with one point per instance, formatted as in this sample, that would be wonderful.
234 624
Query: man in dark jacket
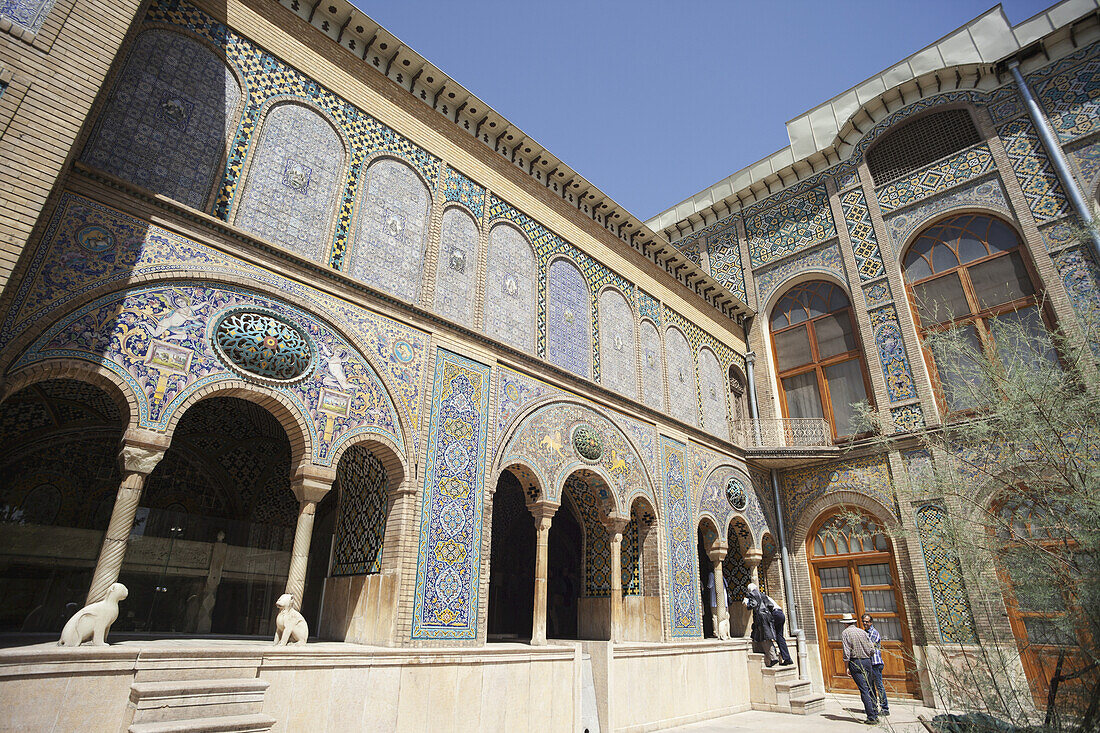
763 628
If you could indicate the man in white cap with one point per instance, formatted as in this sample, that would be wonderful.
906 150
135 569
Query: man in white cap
858 650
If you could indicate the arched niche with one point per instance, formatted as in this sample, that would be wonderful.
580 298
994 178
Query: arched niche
684 402
618 365
652 365
510 288
167 120
391 229
294 180
457 269
568 318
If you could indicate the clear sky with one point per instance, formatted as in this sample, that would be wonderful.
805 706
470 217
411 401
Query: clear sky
655 101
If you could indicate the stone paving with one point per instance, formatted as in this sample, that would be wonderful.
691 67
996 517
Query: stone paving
841 713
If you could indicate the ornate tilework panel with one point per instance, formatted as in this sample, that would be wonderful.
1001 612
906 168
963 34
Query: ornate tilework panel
456 273
457 187
862 233
987 193
630 558
391 231
514 391
510 289
1082 280
568 329
294 182
698 338
653 391
938 177
545 441
1036 175
725 260
683 572
869 475
27 14
126 248
166 123
445 603
1088 162
618 368
689 247
681 378
827 259
361 520
877 293
789 227
907 418
155 339
845 178
892 354
712 393
648 306
949 598
597 545
1072 100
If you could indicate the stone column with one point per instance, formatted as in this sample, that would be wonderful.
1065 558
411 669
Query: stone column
615 526
753 556
310 485
543 514
137 458
721 612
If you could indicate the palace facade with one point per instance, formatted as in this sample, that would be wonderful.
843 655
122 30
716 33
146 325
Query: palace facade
287 310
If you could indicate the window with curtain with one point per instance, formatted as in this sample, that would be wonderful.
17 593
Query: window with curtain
818 359
968 273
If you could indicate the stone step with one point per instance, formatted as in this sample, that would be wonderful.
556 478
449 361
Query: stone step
808 704
177 700
787 691
254 723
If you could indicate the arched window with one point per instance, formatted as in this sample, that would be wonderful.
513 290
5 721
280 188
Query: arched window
968 272
817 355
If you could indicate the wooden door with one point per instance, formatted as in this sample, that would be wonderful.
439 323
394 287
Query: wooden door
853 571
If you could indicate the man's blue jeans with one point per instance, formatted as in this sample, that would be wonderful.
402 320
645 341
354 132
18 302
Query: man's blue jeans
860 670
879 688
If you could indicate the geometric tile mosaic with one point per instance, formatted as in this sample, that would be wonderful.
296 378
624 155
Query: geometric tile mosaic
788 227
1087 158
1034 171
457 187
725 260
683 572
164 126
907 418
27 14
1081 278
986 193
877 293
1072 100
857 218
648 306
568 313
597 545
361 519
938 177
892 353
949 598
689 247
445 602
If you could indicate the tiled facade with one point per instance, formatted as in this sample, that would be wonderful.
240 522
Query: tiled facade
420 315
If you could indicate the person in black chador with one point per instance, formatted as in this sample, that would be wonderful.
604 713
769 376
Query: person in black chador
763 627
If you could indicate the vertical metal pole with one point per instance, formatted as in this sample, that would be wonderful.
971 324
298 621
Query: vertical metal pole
1057 157
788 585
754 412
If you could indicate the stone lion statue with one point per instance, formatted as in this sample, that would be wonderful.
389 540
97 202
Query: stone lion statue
94 620
290 626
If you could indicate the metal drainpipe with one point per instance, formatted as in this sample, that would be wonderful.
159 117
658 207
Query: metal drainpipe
754 413
788 586
1057 157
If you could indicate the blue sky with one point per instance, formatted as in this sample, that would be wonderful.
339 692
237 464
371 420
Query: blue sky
655 101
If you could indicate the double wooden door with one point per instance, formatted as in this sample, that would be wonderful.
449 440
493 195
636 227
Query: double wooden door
854 572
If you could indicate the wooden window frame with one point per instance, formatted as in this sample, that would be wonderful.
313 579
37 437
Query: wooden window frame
818 365
978 317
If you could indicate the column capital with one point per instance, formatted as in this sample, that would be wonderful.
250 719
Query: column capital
615 524
141 451
543 511
311 482
752 557
718 551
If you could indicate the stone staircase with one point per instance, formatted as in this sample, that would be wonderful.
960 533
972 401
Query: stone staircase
174 692
778 689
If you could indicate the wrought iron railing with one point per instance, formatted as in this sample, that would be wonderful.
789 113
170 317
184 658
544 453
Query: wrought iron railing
785 432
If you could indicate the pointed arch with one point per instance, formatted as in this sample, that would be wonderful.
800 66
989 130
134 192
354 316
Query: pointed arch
457 269
682 393
568 318
510 288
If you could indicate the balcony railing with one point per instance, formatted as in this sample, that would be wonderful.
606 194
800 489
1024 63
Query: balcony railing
786 432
